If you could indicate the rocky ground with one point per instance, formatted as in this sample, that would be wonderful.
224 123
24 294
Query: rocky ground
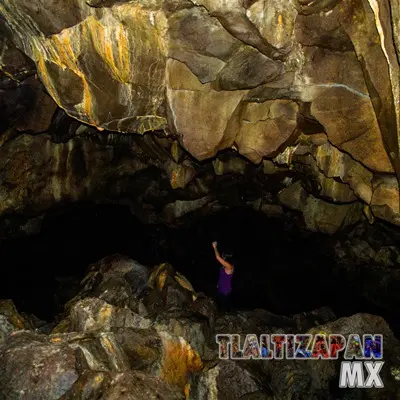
134 333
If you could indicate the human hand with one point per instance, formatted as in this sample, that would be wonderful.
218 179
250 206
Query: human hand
214 244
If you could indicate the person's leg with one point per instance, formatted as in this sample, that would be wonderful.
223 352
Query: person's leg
220 300
223 302
227 300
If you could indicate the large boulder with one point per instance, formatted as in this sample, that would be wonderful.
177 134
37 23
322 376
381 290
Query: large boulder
47 366
121 385
226 380
174 289
117 280
95 315
33 367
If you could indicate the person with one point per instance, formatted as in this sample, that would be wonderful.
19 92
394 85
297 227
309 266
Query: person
224 287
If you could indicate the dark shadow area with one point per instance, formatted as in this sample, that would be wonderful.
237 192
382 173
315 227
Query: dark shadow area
40 273
277 268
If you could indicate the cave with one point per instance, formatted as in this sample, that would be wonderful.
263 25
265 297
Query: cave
46 275
150 149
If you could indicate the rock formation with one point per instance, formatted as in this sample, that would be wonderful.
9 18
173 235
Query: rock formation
131 332
259 77
182 108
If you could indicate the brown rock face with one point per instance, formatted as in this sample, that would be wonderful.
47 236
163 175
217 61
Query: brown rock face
107 66
245 75
264 127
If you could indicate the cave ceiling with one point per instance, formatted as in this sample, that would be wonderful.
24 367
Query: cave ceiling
311 86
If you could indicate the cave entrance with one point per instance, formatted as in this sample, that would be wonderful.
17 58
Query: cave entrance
277 268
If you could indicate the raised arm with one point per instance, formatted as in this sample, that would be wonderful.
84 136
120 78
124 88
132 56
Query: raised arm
228 266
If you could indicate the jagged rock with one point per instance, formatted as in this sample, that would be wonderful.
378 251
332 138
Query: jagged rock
270 168
97 353
374 260
247 69
38 325
185 92
115 291
165 274
361 251
125 385
365 324
160 353
26 107
171 294
322 30
262 128
11 320
335 164
179 360
142 347
199 41
262 321
95 315
205 306
181 335
227 380
309 379
330 173
66 75
231 166
48 366
367 33
294 196
275 21
180 175
321 65
387 256
59 172
320 185
14 63
319 316
179 208
385 199
32 367
194 329
319 215
116 279
337 96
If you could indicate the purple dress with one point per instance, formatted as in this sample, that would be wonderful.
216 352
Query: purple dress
224 283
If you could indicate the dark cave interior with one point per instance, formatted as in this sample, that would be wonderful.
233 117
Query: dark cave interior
277 268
